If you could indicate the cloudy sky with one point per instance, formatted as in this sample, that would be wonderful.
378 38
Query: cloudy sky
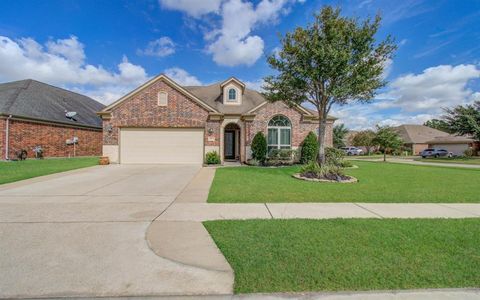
106 48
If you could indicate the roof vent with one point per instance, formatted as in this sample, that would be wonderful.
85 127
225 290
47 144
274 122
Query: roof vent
71 115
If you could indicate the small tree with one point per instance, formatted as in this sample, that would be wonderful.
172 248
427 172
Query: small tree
364 139
309 149
464 120
259 147
335 60
339 133
388 139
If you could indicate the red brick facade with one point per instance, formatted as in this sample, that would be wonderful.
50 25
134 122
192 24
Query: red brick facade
300 128
52 138
142 110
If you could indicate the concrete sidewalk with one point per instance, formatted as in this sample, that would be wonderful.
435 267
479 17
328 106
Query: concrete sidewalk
410 161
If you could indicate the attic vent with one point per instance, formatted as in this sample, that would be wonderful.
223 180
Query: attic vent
162 98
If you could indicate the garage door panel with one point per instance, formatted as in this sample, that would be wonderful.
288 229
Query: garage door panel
171 146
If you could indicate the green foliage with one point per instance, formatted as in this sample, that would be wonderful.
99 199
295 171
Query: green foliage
332 61
464 120
346 164
327 171
309 151
388 139
468 152
259 147
281 157
253 162
334 156
439 125
212 158
365 139
339 133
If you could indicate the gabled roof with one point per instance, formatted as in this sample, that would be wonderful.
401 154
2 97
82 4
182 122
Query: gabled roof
451 139
36 100
170 82
418 134
241 84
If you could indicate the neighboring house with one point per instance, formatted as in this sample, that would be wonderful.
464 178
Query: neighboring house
33 114
455 144
419 137
163 122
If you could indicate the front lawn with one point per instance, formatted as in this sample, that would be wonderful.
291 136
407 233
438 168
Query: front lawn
453 160
354 254
19 170
378 182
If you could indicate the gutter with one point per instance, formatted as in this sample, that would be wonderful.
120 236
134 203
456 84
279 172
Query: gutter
7 135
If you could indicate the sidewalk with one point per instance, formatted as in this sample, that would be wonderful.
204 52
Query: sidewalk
410 161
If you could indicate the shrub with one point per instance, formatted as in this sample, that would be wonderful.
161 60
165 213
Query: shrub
212 158
282 154
326 171
259 147
309 149
334 156
468 152
253 162
346 164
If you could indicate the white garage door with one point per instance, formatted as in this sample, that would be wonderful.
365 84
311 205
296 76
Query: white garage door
456 149
161 146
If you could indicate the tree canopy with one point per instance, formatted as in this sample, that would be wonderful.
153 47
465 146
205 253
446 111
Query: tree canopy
335 60
464 120
388 139
339 133
365 139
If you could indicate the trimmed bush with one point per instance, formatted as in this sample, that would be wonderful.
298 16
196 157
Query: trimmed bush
469 152
259 147
309 151
253 162
212 158
334 156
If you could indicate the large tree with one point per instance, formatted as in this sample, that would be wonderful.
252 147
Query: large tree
464 120
335 60
339 133
364 138
388 139
441 125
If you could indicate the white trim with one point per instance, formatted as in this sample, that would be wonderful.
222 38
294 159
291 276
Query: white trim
162 102
279 145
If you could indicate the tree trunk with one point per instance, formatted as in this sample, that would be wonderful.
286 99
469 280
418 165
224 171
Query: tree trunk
384 155
321 140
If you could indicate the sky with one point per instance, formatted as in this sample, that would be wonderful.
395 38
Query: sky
105 49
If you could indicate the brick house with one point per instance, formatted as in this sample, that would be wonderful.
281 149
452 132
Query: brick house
34 114
164 122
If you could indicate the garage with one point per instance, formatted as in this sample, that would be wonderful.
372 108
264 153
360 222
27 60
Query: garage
161 146
456 149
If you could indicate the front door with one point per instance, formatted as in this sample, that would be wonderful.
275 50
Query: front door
229 144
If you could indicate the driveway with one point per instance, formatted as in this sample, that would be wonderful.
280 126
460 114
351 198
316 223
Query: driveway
83 234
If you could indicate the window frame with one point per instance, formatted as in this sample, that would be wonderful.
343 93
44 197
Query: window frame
234 94
278 131
159 102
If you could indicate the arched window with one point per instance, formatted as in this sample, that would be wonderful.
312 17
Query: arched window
232 95
279 133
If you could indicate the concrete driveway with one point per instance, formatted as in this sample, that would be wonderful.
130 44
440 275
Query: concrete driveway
83 234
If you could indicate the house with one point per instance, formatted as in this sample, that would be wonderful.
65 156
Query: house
164 122
455 144
61 122
419 137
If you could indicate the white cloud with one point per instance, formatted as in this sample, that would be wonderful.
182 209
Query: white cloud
181 76
194 8
62 62
255 85
433 89
161 47
233 43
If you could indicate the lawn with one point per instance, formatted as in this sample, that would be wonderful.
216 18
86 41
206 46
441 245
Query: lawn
378 182
354 254
453 160
19 170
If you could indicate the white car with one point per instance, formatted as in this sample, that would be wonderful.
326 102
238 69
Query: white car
352 150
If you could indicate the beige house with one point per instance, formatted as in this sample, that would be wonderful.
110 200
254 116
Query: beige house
452 143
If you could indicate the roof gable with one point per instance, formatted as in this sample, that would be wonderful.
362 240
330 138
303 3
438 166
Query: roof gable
418 134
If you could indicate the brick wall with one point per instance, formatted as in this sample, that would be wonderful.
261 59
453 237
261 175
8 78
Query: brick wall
52 138
142 110
2 138
300 129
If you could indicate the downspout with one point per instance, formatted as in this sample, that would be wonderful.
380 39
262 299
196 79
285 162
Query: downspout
7 123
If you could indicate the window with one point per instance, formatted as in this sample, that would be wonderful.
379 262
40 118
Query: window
279 133
232 95
162 99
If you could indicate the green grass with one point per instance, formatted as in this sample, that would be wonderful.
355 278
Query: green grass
19 170
354 254
378 182
453 160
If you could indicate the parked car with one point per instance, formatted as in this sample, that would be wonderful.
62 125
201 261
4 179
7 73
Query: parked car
434 152
352 150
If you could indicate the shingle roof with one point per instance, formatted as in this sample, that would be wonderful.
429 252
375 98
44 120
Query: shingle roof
418 134
451 139
212 95
33 99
